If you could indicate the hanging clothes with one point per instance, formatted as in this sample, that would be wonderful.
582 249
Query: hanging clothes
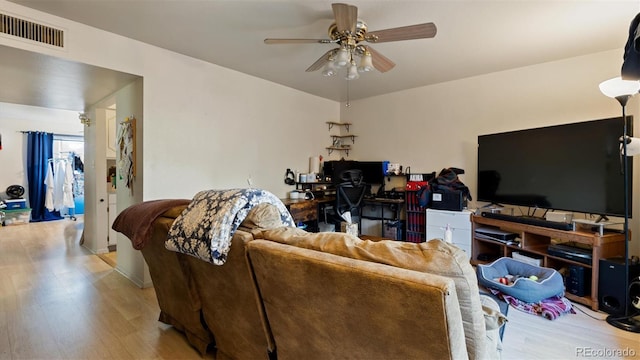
49 183
58 185
67 187
126 147
77 163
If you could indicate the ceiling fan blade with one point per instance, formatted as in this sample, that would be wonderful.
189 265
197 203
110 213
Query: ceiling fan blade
298 41
321 61
380 62
418 31
346 17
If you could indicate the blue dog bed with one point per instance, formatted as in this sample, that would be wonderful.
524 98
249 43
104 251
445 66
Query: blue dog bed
549 281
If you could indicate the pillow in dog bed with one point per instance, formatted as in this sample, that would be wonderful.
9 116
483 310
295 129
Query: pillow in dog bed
548 283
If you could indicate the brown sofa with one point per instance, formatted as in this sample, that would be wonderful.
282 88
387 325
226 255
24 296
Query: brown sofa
325 306
481 318
329 295
178 298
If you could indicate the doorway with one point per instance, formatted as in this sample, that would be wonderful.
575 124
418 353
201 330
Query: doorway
41 81
71 149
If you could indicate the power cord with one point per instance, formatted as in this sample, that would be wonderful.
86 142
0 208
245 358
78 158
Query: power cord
582 309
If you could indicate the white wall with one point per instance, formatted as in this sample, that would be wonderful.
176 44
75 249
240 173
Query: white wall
437 126
217 128
16 118
95 194
130 261
128 101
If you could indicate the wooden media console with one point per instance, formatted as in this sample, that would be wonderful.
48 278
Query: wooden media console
534 241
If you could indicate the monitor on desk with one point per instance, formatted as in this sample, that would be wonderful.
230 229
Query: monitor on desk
372 171
333 169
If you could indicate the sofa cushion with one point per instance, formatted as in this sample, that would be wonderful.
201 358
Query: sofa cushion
263 215
434 257
493 319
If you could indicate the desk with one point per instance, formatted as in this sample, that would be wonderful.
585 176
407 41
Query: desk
309 211
306 211
378 206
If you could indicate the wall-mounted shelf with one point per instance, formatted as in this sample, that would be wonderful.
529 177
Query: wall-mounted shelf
338 148
340 137
337 140
334 123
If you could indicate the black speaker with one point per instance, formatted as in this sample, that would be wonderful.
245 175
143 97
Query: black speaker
611 285
578 281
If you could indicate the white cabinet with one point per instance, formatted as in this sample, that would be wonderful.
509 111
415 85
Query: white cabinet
458 221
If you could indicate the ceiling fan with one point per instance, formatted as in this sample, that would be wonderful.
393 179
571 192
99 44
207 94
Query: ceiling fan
348 32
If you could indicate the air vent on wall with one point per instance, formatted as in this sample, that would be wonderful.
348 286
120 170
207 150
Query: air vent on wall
31 31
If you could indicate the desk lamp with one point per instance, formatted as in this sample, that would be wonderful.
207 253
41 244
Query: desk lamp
623 90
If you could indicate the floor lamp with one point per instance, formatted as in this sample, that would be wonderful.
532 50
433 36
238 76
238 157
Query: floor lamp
623 90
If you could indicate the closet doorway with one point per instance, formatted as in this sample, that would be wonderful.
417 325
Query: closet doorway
70 148
105 178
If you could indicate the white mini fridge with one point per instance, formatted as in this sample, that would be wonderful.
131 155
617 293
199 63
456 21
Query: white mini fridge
458 221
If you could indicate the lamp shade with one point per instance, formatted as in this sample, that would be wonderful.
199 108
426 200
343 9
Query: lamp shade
343 57
352 74
329 68
616 87
366 63
633 146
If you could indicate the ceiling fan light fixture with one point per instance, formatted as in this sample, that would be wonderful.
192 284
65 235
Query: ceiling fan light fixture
343 57
366 62
329 68
352 73
347 33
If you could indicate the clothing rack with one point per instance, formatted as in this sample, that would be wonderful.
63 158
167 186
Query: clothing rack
70 158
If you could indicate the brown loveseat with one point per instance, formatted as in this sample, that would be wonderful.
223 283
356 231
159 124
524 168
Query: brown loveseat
288 294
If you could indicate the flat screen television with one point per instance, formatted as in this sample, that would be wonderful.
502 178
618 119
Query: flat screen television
573 167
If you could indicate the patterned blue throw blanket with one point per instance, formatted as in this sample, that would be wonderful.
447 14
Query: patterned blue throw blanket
206 226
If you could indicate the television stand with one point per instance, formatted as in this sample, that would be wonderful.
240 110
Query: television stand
534 242
529 220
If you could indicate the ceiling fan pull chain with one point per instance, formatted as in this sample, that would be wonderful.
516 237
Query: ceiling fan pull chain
348 101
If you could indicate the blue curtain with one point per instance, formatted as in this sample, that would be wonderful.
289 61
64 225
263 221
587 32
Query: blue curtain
39 151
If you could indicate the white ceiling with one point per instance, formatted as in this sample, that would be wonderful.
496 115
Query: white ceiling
474 37
50 82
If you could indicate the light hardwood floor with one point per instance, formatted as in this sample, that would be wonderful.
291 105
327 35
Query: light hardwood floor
58 301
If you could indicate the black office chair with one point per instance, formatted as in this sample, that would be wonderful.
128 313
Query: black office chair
349 194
